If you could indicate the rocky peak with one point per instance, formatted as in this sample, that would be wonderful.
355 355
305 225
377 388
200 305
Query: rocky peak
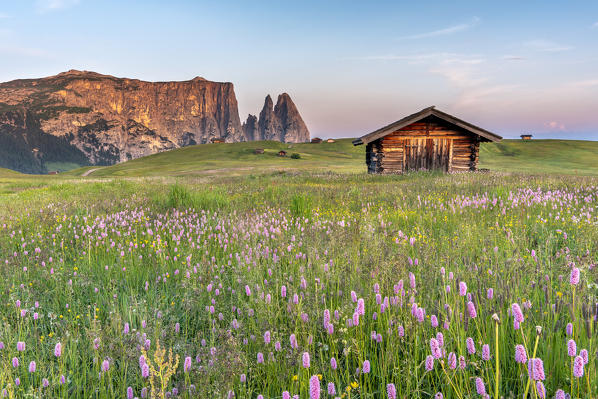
268 124
281 122
250 128
293 126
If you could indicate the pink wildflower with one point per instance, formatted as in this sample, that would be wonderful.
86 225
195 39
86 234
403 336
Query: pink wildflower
58 349
517 313
314 387
520 354
471 310
435 348
578 364
480 387
305 360
541 390
571 348
574 278
452 360
365 367
535 369
470 345
391 391
429 363
331 388
486 352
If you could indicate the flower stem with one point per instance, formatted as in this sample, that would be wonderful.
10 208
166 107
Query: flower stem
529 379
497 371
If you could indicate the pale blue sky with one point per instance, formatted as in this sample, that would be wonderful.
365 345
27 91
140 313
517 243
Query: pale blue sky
511 67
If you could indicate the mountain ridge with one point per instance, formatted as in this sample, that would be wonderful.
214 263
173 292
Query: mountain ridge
85 117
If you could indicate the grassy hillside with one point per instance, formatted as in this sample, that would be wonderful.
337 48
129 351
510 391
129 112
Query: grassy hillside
535 156
9 173
240 159
541 156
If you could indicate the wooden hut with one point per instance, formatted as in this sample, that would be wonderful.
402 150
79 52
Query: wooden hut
282 153
316 140
427 140
331 141
526 137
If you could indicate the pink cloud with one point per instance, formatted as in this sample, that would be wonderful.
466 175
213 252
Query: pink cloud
554 125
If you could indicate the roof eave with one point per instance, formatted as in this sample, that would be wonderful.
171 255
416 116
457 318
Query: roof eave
375 135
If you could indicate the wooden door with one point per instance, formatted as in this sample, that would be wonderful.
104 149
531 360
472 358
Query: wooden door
427 154
440 158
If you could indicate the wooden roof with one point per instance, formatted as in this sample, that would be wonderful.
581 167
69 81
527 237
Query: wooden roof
424 113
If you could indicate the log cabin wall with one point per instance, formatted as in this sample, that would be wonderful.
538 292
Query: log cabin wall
374 156
427 144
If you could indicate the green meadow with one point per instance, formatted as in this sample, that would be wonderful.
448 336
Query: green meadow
212 271
536 156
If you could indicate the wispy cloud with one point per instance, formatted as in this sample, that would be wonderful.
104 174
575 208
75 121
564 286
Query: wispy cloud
4 16
50 5
24 51
554 125
413 58
513 58
595 25
469 75
461 72
445 31
481 94
584 83
546 46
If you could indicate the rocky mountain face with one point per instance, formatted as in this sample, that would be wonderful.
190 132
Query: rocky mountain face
92 119
279 123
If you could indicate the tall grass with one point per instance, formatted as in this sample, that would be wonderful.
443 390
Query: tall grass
181 197
301 205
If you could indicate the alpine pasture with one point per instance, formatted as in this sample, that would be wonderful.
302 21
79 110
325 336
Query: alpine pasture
272 280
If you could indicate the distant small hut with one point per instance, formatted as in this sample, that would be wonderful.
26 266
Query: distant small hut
282 153
526 137
215 140
331 141
258 151
53 172
316 140
427 140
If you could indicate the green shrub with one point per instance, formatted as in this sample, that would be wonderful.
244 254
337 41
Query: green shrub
296 155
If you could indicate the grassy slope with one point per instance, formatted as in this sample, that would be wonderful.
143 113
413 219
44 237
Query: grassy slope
239 158
542 156
535 156
10 173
